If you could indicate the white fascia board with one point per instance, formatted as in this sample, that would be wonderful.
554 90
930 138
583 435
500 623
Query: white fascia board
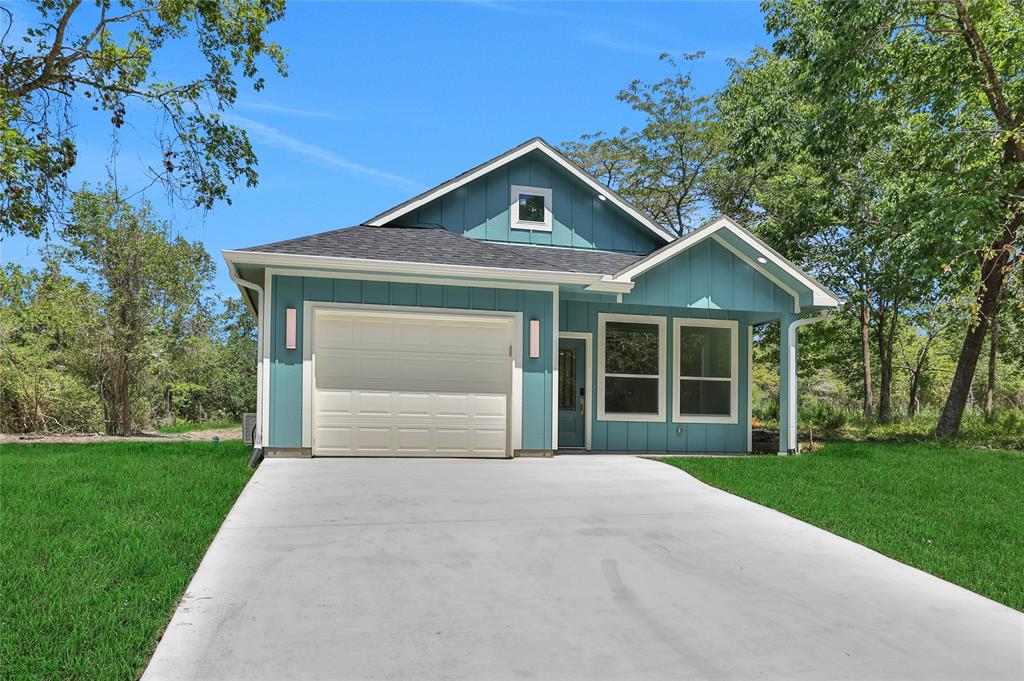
534 145
593 281
820 296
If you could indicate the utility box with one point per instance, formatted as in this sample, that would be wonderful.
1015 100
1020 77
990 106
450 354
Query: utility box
248 428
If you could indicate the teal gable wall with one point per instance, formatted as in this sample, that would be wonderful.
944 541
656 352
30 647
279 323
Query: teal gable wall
286 365
709 277
480 209
661 436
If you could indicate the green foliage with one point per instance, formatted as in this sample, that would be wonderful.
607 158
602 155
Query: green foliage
665 167
100 541
129 342
47 323
955 513
107 59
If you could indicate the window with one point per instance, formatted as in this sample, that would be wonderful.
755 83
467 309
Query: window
530 208
566 378
631 363
706 368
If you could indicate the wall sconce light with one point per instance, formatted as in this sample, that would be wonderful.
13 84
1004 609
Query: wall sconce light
761 259
534 338
289 328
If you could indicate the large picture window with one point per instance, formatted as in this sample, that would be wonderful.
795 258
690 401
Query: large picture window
631 366
705 367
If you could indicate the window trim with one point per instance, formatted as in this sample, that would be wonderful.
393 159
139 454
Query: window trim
513 214
662 323
734 354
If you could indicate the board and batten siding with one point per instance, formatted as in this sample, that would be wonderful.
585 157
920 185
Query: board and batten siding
660 436
286 365
480 210
708 277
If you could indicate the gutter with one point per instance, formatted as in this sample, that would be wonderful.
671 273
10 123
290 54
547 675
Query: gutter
791 383
257 440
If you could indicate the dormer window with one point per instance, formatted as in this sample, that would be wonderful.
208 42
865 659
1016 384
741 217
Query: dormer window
530 208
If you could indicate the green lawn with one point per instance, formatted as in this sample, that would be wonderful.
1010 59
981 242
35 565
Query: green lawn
189 426
97 543
956 513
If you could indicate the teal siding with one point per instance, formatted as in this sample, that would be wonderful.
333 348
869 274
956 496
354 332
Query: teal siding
286 365
581 316
709 277
480 210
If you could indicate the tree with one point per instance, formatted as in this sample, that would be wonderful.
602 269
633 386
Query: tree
48 324
150 285
105 57
663 168
951 75
842 220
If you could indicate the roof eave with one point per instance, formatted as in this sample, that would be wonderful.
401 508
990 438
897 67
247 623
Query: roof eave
593 281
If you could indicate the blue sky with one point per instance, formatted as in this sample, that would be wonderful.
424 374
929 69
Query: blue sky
384 100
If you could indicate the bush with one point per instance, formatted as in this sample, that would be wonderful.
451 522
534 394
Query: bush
823 417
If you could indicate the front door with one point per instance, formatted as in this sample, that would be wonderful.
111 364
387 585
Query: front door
571 390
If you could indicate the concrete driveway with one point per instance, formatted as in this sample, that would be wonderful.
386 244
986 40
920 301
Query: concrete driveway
600 567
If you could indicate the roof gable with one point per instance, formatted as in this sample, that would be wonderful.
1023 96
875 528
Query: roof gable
742 243
586 213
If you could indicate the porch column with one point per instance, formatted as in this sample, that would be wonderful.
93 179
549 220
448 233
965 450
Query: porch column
787 384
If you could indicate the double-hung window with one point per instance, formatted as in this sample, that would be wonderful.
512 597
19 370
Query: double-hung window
631 368
706 371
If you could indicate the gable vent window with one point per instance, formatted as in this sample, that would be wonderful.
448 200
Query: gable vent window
530 208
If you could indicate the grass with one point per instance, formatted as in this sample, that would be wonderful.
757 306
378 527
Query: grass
1007 432
956 513
98 543
189 426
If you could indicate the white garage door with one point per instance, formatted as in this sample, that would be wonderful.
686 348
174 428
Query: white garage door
387 384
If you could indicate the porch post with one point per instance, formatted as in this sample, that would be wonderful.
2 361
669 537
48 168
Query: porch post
787 384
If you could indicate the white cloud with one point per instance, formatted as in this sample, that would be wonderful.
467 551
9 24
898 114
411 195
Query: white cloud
293 111
273 137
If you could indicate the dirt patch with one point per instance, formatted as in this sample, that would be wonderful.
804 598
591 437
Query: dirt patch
234 433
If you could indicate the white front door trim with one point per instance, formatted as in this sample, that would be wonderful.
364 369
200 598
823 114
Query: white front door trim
588 340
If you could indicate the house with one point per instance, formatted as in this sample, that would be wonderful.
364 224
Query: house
520 308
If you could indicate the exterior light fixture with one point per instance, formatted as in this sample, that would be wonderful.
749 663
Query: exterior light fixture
289 328
602 197
534 338
762 259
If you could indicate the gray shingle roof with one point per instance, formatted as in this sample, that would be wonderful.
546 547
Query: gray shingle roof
439 246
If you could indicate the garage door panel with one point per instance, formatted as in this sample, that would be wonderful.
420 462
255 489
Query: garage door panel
398 386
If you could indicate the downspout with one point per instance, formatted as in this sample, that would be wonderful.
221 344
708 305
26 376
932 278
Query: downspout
791 387
257 439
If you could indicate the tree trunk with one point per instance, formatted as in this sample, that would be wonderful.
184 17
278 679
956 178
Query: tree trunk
915 377
990 391
993 271
865 345
886 321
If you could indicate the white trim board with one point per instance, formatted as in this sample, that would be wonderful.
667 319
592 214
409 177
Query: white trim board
653 320
588 392
593 281
554 369
734 365
536 144
750 388
311 308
